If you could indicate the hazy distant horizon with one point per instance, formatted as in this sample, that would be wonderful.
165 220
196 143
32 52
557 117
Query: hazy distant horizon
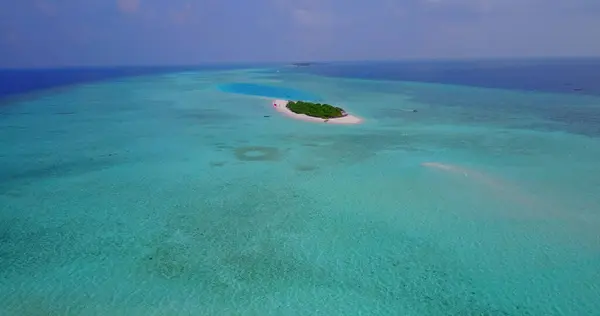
323 61
45 33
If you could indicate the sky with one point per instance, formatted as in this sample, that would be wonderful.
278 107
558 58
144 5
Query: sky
56 33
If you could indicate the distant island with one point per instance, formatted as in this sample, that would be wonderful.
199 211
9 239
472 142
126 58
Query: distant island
307 64
315 112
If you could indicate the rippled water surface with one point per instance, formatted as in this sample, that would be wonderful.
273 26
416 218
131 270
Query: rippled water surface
170 195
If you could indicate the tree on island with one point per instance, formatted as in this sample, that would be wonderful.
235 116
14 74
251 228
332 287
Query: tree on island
321 110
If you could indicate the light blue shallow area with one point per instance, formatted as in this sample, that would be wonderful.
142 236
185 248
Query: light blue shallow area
166 195
270 91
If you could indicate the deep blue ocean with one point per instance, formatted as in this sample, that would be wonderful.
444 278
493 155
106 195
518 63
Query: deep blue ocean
548 75
18 81
573 76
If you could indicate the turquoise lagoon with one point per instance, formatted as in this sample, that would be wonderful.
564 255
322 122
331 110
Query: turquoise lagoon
175 195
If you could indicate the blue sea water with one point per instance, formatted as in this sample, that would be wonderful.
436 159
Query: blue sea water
270 91
563 75
167 194
17 81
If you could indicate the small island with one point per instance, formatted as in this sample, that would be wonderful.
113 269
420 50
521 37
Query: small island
321 110
315 112
304 64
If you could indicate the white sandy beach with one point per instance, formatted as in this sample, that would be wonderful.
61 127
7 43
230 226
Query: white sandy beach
280 106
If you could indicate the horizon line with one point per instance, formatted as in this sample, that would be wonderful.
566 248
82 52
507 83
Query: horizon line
289 63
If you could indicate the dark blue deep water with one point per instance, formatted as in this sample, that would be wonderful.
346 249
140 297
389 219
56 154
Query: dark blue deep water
581 76
572 76
18 81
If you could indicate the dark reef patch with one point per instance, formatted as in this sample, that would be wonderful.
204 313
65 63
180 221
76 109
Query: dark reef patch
170 260
257 153
217 163
222 146
233 244
12 177
208 116
306 168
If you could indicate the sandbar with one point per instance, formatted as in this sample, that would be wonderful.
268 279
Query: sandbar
280 106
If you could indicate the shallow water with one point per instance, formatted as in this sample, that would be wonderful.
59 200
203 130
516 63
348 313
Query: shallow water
166 195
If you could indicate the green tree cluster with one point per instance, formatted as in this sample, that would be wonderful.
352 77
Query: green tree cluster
325 111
